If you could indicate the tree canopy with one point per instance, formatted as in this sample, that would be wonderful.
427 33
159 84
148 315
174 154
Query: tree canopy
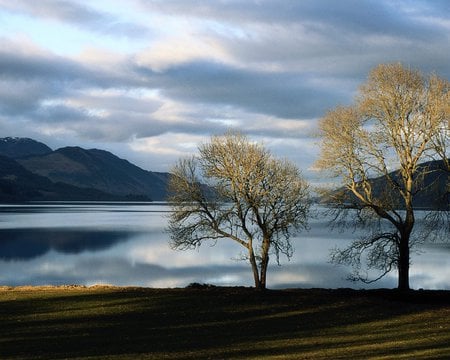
399 120
235 189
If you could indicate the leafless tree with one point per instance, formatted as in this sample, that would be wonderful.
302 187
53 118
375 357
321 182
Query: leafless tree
400 120
235 189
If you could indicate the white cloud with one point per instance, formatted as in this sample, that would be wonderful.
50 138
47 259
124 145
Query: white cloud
174 145
175 50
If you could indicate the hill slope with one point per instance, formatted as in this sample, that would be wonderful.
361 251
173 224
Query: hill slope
18 184
97 169
432 190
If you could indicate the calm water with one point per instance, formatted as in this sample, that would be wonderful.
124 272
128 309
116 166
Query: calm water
125 244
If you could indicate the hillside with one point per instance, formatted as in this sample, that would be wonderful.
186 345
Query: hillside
19 184
435 192
40 172
432 190
97 169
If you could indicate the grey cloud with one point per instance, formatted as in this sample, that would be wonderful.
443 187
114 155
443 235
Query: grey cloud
334 43
18 98
287 95
436 8
67 74
17 65
118 128
36 85
344 38
349 15
347 59
77 14
60 114
121 127
59 10
120 103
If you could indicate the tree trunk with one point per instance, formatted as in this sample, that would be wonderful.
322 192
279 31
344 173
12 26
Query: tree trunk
405 234
251 255
264 262
403 263
264 266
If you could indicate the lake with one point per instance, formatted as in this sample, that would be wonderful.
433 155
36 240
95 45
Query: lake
125 244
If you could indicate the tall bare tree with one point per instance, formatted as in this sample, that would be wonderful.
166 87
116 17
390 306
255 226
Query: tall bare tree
400 119
235 189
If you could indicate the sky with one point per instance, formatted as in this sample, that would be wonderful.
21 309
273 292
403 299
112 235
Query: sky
151 79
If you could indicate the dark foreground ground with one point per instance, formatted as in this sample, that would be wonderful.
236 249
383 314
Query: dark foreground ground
222 323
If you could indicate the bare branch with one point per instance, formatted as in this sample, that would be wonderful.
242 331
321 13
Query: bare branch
400 120
244 194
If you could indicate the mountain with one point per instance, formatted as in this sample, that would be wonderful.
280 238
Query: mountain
97 169
30 170
19 184
436 187
433 189
15 148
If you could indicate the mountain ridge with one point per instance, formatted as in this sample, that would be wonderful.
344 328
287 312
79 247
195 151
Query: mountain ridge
18 184
33 171
99 171
15 147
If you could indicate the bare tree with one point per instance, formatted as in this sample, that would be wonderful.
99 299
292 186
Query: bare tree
400 120
235 189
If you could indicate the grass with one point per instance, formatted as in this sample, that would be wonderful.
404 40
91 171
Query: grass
222 323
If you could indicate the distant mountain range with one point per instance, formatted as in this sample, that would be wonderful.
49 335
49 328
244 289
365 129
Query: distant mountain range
32 171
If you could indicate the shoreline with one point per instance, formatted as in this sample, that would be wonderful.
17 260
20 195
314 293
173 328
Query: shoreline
206 287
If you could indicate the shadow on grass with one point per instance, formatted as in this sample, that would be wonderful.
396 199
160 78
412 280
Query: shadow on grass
223 323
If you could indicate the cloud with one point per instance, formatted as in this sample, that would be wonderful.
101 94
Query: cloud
80 15
22 60
101 102
322 36
319 16
194 68
47 89
183 48
286 95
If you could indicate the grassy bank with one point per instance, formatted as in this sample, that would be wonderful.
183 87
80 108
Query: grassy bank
222 323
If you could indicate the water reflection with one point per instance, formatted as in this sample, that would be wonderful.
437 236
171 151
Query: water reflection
22 244
125 244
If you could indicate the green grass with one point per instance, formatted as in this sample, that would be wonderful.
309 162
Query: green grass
222 323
